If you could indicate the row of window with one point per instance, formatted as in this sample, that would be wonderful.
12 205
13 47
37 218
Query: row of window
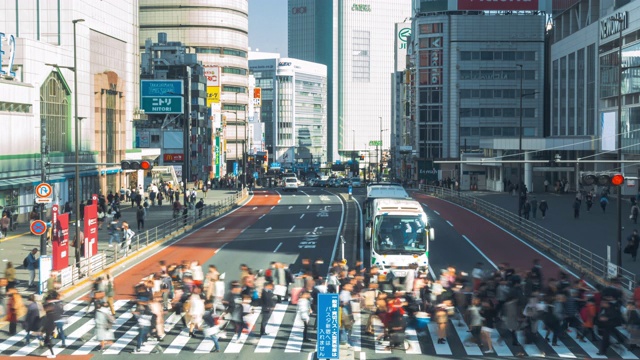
497 112
221 51
494 93
488 131
235 89
498 55
497 74
15 107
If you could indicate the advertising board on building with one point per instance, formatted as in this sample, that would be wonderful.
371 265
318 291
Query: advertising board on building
173 157
60 239
213 95
403 33
161 96
212 73
90 243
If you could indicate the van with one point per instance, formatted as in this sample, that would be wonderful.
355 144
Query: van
290 184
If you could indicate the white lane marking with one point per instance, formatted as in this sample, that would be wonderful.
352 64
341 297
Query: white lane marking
268 229
278 247
378 331
441 349
560 348
361 233
309 200
290 207
301 216
529 349
308 207
219 230
294 344
261 216
363 355
235 347
92 343
179 342
587 346
272 207
243 230
449 222
414 343
220 248
480 252
293 227
279 201
621 349
255 208
335 245
122 341
437 213
266 341
499 346
356 333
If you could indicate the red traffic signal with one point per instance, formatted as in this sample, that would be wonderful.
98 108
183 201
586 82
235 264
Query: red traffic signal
617 180
603 179
136 165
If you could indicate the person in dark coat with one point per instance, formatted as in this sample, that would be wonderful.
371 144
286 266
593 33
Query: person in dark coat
633 243
268 303
54 311
543 207
576 209
32 321
607 321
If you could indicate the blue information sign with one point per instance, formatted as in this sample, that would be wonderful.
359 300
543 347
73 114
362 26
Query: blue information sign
161 96
328 344
160 87
235 168
350 190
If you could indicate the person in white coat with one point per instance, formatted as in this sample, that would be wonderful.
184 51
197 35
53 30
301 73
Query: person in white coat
304 311
196 311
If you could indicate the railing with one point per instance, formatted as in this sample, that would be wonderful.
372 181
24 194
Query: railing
178 225
582 260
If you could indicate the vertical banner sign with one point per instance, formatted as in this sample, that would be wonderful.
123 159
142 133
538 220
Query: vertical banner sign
90 243
217 157
44 272
59 239
328 342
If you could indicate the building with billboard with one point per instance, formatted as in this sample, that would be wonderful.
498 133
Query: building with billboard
39 93
355 40
219 36
293 108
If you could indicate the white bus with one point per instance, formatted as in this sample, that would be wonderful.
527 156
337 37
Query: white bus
399 234
381 191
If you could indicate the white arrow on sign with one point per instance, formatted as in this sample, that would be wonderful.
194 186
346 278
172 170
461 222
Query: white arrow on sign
268 229
221 229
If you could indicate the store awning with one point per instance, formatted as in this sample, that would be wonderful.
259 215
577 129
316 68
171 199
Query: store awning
28 181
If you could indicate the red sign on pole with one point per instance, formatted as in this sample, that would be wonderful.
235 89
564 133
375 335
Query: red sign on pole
90 243
499 5
60 239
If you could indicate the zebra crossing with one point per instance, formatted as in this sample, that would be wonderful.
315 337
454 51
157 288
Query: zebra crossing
284 334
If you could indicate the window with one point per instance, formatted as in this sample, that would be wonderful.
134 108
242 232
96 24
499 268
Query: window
234 52
235 89
235 71
155 138
360 56
55 108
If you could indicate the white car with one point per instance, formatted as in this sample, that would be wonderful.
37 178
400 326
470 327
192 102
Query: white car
290 184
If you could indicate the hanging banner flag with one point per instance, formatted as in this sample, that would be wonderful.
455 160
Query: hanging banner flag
59 239
90 243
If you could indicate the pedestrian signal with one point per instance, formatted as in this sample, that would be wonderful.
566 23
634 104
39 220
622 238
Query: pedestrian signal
136 165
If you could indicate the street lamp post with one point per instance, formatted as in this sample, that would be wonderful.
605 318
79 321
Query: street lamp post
77 141
619 146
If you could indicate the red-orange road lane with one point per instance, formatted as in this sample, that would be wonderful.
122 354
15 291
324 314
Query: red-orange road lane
200 246
494 242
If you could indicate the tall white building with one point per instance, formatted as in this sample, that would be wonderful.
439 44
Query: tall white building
218 32
355 40
294 102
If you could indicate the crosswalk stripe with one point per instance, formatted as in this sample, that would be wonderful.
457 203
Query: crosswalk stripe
294 344
529 349
83 330
356 333
272 328
463 334
441 349
123 341
499 345
587 346
412 339
560 347
378 331
93 343
205 346
10 342
179 342
621 350
235 347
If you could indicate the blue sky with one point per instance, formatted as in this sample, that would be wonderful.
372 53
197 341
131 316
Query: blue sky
268 26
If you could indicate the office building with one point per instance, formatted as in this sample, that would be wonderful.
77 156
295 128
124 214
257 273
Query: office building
356 43
293 109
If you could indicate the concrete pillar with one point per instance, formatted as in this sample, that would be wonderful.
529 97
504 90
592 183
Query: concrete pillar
528 172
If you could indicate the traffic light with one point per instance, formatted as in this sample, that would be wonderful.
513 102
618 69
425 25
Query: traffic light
136 165
603 179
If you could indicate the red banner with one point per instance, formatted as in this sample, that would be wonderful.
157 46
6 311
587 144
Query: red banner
90 243
498 5
59 239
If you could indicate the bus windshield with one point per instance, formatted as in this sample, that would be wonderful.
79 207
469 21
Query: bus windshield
399 234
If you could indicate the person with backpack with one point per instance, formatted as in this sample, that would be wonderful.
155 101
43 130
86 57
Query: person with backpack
30 262
140 215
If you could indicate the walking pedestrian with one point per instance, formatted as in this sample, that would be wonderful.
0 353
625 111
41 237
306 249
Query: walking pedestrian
488 314
543 208
633 241
534 206
268 302
576 209
33 320
10 275
31 263
114 231
144 317
104 326
109 292
634 213
603 202
140 214
304 310
127 237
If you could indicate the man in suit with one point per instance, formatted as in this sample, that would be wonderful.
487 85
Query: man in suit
268 302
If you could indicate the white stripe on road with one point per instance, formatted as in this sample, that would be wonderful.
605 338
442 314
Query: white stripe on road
221 247
441 349
293 227
356 333
301 216
499 345
121 343
463 334
179 342
378 331
255 208
261 216
529 349
235 347
449 222
92 343
277 247
560 348
273 326
294 344
273 207
308 207
480 252
412 339
587 346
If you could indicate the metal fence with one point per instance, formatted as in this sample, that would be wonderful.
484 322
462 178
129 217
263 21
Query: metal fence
178 225
582 260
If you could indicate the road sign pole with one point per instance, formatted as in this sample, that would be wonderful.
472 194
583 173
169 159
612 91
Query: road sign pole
43 178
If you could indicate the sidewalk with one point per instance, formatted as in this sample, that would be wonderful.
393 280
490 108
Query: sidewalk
17 245
593 230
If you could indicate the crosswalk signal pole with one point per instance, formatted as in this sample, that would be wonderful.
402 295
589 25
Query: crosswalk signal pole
43 179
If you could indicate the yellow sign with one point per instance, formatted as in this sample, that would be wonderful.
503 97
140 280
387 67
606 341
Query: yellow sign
213 95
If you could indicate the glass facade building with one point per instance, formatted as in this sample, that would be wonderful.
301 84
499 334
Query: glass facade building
356 43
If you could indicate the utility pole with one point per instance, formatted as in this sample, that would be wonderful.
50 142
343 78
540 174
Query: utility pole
619 145
43 179
78 183
520 182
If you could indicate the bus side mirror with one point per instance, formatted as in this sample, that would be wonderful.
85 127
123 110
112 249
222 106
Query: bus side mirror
431 234
367 232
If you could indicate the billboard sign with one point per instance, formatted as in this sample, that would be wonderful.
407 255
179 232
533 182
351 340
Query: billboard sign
60 239
403 33
257 97
213 95
173 157
328 341
90 243
608 122
499 5
161 96
212 73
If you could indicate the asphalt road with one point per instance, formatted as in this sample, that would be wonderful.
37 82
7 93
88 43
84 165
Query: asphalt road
292 226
